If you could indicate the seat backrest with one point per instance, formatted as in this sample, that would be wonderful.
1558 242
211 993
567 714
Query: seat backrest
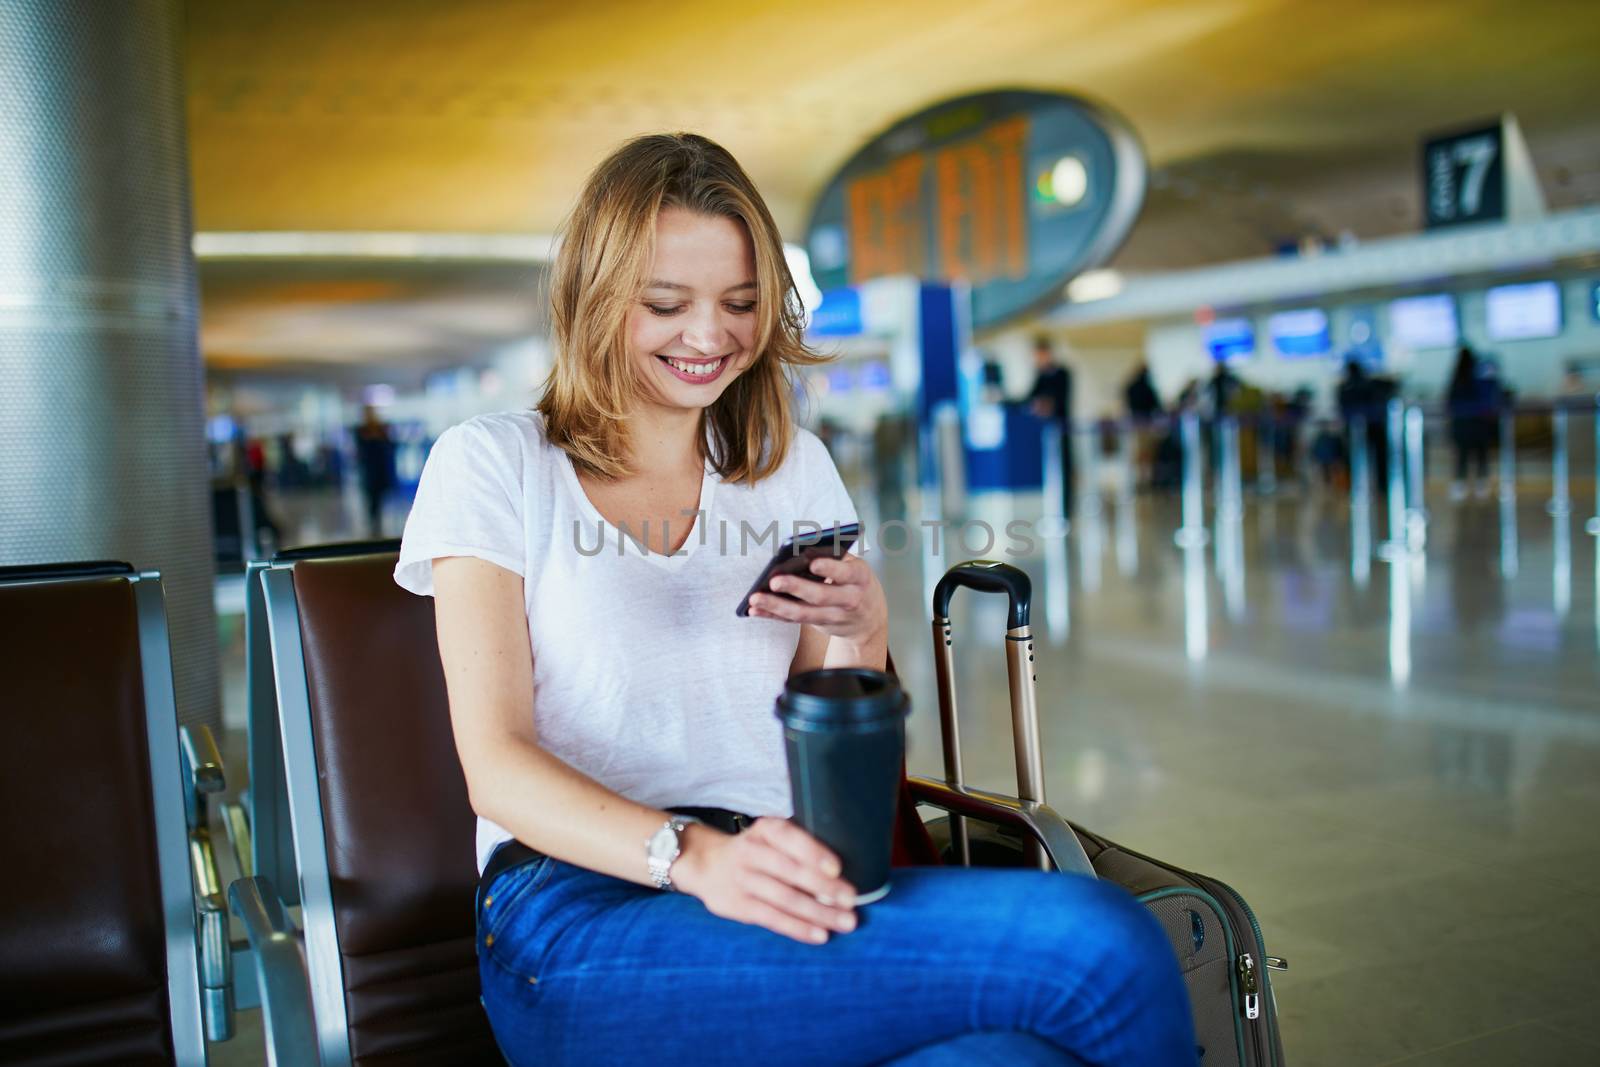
92 959
271 841
397 828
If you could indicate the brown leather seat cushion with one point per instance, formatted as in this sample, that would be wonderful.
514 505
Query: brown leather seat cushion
82 947
399 825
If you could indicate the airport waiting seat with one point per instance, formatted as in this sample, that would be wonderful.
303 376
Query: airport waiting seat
113 949
266 839
383 830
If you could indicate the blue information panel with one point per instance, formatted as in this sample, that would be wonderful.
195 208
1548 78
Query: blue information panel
1232 338
1424 321
838 316
1301 332
1523 312
1011 192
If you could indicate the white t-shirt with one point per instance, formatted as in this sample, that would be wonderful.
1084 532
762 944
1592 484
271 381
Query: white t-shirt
644 678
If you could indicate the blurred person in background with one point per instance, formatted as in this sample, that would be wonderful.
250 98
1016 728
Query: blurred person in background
293 474
1472 399
374 466
1292 413
1216 400
891 436
1166 469
1144 405
255 465
589 693
1222 390
1362 395
1355 391
1249 406
1051 400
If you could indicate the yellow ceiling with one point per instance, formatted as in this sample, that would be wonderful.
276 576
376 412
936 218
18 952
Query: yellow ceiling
484 115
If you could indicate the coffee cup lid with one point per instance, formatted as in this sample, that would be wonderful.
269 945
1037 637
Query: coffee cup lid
842 695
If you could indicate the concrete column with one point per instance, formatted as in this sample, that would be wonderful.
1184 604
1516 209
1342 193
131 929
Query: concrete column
102 450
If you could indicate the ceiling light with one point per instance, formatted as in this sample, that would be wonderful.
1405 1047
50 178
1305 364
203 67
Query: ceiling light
288 244
1094 285
1069 181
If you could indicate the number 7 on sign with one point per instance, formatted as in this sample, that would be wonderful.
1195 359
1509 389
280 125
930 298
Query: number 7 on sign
1476 156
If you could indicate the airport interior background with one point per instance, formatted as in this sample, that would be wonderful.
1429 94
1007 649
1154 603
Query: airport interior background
1317 593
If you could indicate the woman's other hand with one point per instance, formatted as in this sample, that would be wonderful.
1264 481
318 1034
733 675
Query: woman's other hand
847 604
774 875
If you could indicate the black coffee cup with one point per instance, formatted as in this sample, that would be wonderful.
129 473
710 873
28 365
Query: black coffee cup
844 731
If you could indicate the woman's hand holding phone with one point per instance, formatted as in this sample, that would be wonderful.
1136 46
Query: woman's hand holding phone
774 875
848 603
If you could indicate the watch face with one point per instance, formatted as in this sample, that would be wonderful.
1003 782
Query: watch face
663 845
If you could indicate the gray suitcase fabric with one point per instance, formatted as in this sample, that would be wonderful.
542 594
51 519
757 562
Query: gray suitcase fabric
1209 925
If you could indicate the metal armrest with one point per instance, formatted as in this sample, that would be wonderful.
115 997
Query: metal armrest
1039 821
216 954
202 759
281 973
203 774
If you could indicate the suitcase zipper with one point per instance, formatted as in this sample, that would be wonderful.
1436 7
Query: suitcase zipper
1247 986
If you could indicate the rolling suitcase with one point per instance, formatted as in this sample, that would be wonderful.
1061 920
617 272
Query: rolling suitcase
1214 934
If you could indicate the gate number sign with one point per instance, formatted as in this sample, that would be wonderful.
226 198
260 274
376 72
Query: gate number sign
1463 178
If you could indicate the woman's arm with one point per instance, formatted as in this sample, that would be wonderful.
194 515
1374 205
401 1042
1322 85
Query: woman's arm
511 780
774 875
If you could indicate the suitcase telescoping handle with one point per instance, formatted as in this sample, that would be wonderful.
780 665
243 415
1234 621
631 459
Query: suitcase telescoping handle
986 576
991 576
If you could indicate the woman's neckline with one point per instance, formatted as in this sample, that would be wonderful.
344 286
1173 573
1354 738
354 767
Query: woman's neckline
708 480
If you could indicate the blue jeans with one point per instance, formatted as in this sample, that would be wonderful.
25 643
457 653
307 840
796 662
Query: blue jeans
954 965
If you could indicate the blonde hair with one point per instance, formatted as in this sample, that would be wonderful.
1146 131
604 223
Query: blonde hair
606 251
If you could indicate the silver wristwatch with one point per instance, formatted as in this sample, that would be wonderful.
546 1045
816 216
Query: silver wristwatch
664 847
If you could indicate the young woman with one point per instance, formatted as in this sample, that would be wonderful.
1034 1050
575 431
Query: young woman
586 559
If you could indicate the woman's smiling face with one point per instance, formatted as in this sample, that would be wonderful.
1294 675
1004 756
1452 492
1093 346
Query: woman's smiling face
692 329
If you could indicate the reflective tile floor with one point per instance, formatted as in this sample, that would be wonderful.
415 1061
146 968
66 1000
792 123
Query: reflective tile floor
1400 773
1396 763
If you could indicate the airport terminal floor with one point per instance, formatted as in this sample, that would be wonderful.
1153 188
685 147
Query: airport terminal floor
1399 769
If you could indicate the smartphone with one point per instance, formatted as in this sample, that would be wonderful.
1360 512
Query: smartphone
794 556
